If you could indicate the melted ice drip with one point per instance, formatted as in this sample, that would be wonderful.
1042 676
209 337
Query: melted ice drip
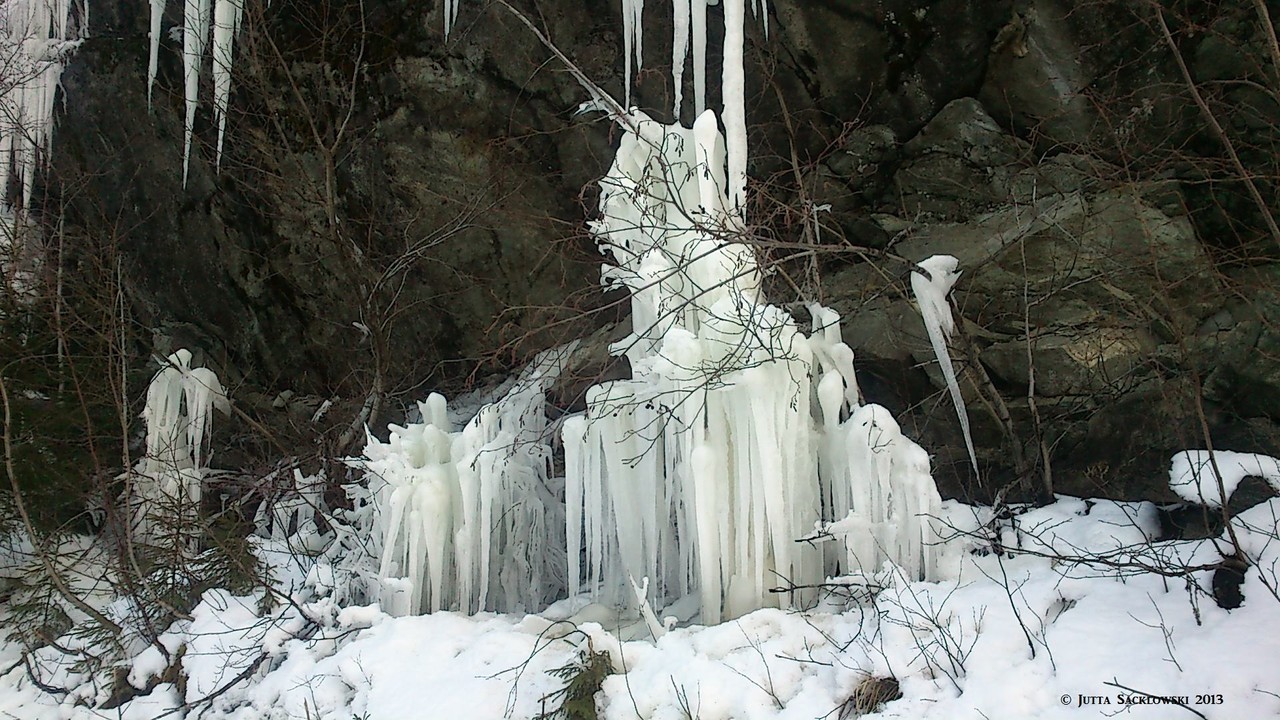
727 445
35 38
467 520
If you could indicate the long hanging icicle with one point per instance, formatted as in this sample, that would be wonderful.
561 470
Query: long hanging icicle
931 297
226 24
632 43
698 24
450 16
195 31
153 63
733 90
680 27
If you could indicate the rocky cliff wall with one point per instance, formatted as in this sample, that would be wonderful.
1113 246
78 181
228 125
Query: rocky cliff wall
394 207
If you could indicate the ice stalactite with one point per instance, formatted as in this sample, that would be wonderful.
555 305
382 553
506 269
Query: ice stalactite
195 33
468 519
226 25
632 43
36 36
153 52
680 29
733 93
178 415
931 298
760 8
207 25
450 16
698 30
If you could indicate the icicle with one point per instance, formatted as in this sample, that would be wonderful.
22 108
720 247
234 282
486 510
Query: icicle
226 24
760 8
679 52
733 90
931 298
630 31
153 63
637 28
195 31
450 16
202 392
698 25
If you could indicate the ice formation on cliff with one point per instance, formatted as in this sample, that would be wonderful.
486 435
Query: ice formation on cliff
35 38
467 519
737 434
179 416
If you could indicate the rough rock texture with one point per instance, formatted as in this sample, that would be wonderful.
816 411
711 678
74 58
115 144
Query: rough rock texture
1098 291
394 207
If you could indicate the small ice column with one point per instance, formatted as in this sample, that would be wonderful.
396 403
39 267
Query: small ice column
178 414
895 506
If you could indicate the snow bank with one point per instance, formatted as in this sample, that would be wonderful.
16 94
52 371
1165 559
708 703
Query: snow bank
1192 476
1011 636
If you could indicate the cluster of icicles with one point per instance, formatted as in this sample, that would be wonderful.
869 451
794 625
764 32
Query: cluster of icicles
166 483
198 16
469 519
35 38
736 436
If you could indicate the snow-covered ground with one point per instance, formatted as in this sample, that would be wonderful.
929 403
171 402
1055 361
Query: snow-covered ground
1027 633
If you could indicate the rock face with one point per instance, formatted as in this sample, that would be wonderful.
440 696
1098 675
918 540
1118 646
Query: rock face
395 209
